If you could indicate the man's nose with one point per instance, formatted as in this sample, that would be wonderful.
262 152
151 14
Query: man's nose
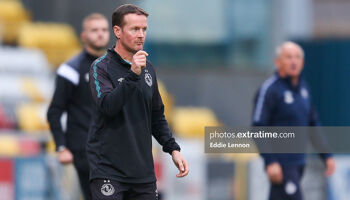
100 33
141 33
295 60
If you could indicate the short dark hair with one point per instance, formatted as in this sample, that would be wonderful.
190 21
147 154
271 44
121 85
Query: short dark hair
92 17
121 11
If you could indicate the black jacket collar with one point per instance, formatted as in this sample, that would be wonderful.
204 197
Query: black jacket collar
288 81
118 58
88 55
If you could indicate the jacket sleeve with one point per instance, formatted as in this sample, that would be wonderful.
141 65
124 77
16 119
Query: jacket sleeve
58 105
110 100
160 127
263 107
317 136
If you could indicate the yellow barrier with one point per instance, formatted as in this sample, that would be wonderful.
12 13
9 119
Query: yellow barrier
12 16
57 41
51 146
9 146
28 86
190 121
167 101
32 117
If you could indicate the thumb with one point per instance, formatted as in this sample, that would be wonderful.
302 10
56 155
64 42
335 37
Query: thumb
141 52
181 166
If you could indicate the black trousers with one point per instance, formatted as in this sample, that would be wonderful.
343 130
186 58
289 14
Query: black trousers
106 189
290 188
82 167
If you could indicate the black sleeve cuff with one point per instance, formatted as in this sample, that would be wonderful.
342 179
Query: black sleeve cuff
170 146
132 76
59 139
325 156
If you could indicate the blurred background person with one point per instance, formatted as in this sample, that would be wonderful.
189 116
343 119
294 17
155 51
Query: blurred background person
205 60
284 100
72 95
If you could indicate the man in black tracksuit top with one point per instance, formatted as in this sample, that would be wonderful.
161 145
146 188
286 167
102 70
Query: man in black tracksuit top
127 111
284 100
72 95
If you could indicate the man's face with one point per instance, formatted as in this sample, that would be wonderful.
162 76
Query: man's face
95 34
291 61
132 35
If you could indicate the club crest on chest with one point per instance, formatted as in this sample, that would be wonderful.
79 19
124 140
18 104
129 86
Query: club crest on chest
148 78
304 93
288 97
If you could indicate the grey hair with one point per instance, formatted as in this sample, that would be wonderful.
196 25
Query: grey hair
279 48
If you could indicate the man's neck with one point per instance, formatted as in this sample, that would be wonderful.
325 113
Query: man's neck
94 52
125 54
294 79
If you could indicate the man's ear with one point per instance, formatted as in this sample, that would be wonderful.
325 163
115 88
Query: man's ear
277 63
117 31
82 36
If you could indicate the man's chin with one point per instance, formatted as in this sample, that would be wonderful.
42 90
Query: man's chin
294 74
98 48
134 49
139 47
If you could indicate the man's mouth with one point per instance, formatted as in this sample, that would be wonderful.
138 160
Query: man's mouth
293 67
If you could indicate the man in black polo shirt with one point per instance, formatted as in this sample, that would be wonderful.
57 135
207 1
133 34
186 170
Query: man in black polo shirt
127 111
72 95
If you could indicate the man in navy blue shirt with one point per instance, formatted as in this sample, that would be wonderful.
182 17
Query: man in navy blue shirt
284 100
